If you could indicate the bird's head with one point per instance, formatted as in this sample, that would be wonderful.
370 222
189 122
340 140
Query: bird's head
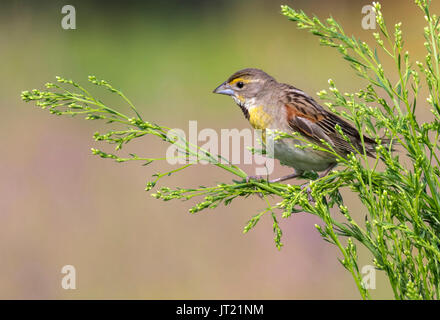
245 84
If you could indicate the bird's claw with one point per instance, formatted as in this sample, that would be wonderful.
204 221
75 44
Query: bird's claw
309 192
258 178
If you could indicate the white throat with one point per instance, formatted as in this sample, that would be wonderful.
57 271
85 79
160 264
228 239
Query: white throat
247 104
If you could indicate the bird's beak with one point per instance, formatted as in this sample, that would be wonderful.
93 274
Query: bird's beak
224 88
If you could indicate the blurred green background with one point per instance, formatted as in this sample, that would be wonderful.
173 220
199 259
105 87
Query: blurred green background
60 205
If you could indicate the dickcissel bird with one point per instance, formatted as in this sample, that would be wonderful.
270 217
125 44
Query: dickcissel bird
268 104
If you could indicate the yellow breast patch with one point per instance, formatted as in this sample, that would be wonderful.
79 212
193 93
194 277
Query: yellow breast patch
258 118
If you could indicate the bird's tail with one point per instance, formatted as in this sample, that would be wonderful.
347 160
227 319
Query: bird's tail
370 145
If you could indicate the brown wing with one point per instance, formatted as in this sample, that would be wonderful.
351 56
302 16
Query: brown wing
310 119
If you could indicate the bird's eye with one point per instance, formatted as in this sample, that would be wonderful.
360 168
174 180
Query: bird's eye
240 84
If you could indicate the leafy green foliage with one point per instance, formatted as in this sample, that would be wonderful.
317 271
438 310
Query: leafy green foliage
402 227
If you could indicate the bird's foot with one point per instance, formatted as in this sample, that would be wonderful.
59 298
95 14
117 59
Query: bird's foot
257 178
306 187
288 177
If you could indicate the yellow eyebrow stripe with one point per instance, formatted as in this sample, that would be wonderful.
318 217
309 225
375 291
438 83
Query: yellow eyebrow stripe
239 79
